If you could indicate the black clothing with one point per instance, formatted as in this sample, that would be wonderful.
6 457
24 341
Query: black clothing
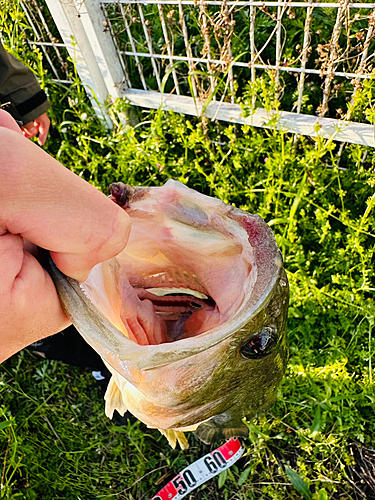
20 92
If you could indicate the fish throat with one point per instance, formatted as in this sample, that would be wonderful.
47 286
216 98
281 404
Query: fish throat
175 306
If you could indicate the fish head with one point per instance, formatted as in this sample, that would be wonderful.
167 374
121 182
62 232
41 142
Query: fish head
191 317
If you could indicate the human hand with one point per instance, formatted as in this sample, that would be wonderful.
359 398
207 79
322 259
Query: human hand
44 204
39 126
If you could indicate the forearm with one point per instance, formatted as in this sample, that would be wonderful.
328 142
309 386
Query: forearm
20 91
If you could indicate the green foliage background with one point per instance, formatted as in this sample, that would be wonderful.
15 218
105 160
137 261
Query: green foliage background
55 441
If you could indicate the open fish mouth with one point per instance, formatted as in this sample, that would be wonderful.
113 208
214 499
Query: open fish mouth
190 317
183 272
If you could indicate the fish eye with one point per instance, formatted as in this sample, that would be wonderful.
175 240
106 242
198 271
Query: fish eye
259 345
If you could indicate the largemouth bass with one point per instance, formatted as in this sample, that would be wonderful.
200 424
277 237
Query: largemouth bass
190 318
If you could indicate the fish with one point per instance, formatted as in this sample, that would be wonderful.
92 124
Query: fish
190 317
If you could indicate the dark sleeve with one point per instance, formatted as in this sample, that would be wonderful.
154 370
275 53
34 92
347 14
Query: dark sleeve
20 92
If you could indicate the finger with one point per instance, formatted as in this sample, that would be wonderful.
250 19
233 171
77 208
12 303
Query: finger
11 258
25 316
44 124
30 131
50 206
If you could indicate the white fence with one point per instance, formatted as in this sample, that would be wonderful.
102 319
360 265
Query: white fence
196 56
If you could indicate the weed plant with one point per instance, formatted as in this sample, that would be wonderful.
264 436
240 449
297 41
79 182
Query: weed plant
55 441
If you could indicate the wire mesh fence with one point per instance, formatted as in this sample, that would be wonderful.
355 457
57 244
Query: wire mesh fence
210 56
42 33
318 52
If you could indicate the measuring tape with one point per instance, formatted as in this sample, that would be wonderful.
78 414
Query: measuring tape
201 471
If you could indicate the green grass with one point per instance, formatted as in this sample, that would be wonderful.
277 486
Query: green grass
55 441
